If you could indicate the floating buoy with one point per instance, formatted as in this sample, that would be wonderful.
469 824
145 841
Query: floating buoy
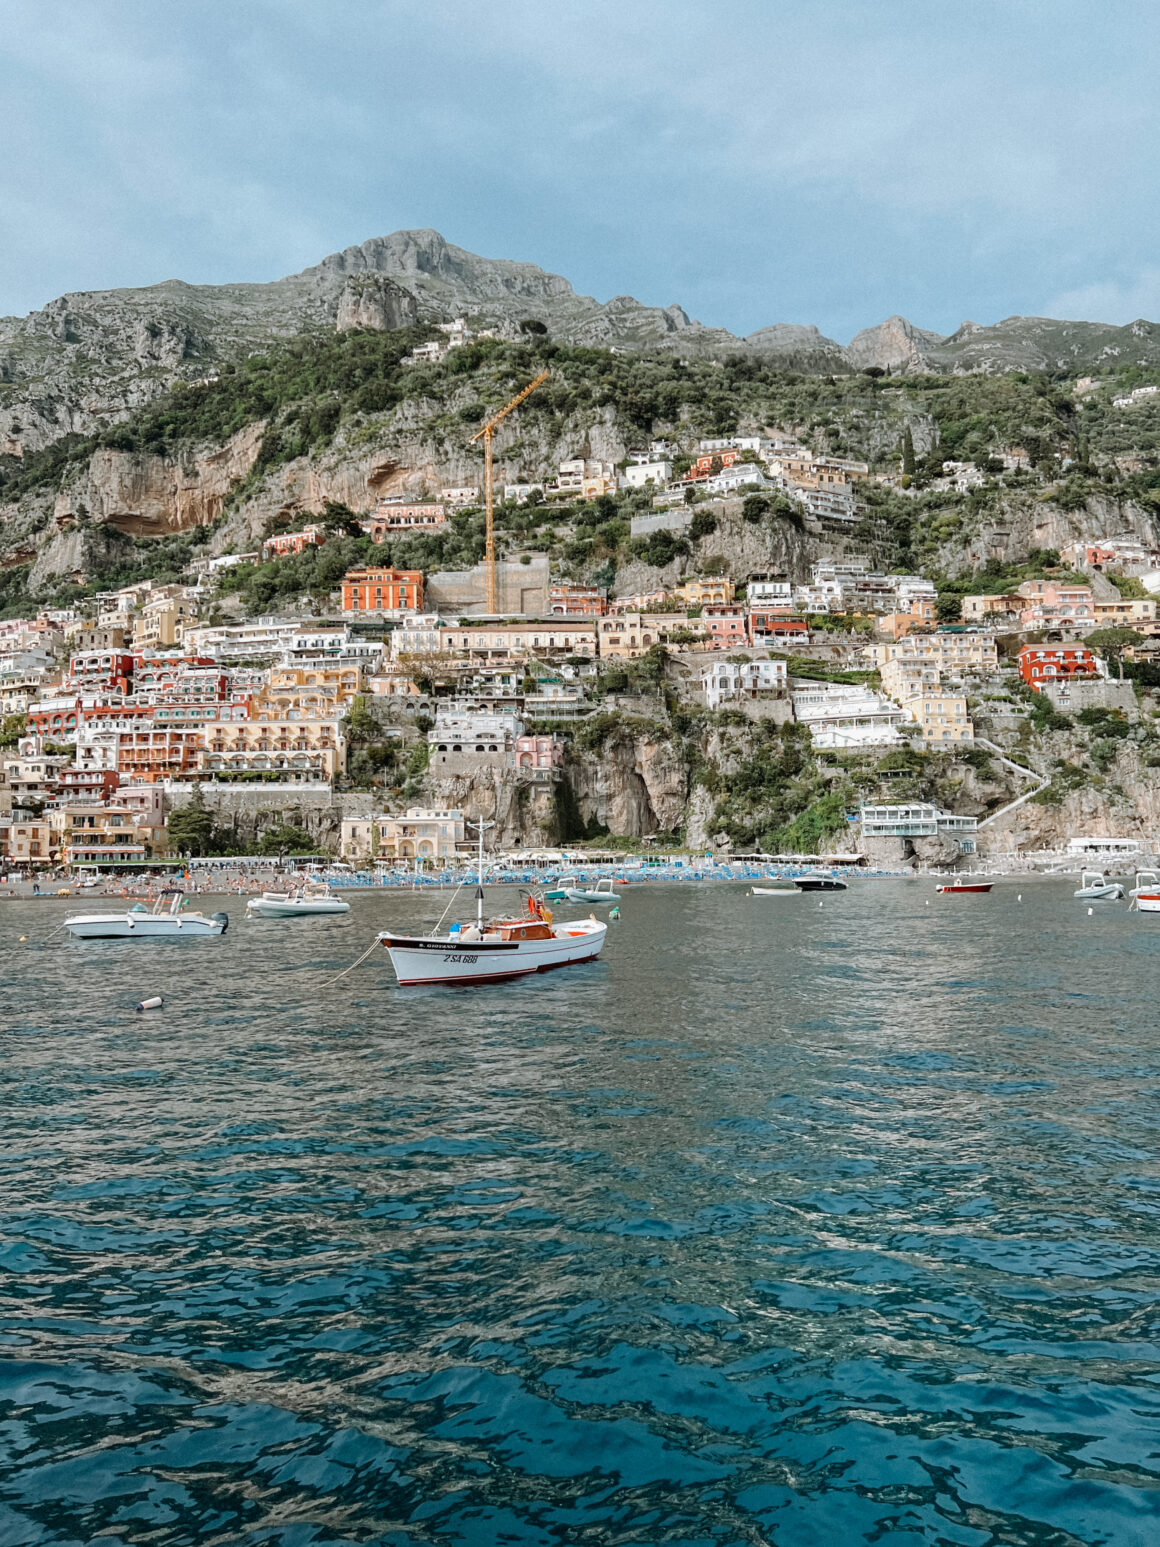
150 1004
1090 913
23 938
1019 898
615 914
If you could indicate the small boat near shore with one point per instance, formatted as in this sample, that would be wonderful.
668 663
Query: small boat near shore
820 884
165 921
1094 888
789 890
1146 892
296 903
965 886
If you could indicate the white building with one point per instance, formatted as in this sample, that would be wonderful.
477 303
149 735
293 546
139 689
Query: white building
419 635
731 480
777 592
731 681
642 471
841 716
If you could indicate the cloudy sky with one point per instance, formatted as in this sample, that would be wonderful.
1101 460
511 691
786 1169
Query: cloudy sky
826 161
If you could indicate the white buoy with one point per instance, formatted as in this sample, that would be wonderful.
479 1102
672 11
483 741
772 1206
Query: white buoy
156 1002
1019 898
1089 913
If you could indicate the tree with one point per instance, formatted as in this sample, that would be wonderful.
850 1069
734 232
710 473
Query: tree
754 507
1113 642
12 727
360 724
690 494
907 453
191 829
285 838
948 607
702 525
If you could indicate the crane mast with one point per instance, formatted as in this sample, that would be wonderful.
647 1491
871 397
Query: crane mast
486 434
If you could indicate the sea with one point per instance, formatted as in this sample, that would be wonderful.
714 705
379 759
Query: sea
793 1220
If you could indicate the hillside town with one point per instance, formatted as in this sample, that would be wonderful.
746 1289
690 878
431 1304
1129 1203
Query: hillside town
125 708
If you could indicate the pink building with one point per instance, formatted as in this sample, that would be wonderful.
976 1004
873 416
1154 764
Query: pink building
1050 601
726 625
577 600
539 752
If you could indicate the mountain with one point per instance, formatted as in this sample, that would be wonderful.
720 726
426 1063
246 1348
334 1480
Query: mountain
91 357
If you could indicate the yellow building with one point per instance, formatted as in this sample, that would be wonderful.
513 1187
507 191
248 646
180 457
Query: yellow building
161 624
31 843
625 635
294 751
942 717
99 835
702 593
414 834
308 692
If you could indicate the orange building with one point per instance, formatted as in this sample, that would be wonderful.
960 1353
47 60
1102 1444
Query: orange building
382 590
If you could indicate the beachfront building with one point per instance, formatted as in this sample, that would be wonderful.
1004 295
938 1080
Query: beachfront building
418 833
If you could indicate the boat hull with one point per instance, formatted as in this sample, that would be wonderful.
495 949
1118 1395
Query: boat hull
1148 902
426 959
819 884
957 889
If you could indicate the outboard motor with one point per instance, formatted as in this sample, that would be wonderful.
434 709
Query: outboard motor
225 920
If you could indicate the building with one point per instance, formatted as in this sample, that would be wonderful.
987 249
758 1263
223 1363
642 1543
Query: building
539 754
991 607
642 471
586 479
917 819
731 682
391 517
382 590
841 716
261 639
285 751
627 635
31 843
565 600
417 833
308 692
1071 694
1048 602
1051 663
770 591
100 835
460 498
282 544
770 626
726 625
163 620
941 716
509 641
697 593
1125 614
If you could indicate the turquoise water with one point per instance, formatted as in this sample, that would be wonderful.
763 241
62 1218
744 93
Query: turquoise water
781 1224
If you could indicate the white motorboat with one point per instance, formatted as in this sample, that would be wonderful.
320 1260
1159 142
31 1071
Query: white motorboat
138 923
789 890
496 949
601 892
1146 892
1094 888
296 903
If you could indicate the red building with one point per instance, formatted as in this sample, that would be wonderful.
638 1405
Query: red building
382 590
1055 663
770 625
91 670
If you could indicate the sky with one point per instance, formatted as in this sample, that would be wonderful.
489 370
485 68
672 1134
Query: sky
815 161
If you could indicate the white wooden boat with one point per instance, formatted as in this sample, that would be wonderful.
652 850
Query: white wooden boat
296 903
491 951
1094 888
138 923
777 891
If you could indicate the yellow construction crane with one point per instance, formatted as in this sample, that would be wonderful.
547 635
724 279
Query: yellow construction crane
487 432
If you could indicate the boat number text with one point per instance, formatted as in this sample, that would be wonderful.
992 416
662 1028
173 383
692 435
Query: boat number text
459 956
